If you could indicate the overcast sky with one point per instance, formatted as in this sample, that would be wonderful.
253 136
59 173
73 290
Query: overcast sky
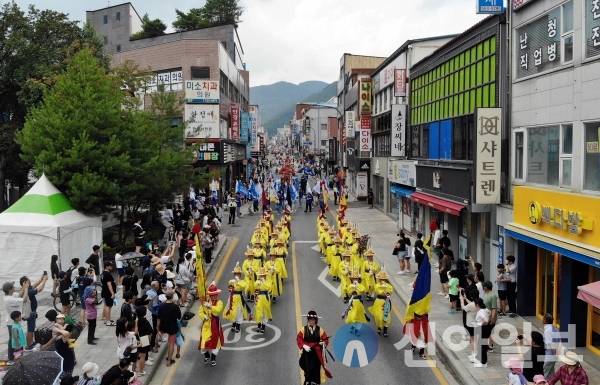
300 40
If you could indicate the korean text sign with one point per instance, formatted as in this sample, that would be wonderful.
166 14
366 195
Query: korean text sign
350 118
398 130
365 134
365 97
202 121
202 91
399 82
488 155
235 121
245 126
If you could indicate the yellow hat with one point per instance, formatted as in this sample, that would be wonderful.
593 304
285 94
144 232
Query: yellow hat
356 235
280 240
262 271
369 253
249 252
382 275
331 231
237 269
347 253
355 274
337 240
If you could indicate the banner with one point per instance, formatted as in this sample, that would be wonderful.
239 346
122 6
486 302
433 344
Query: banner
488 155
399 82
398 130
235 121
365 96
245 126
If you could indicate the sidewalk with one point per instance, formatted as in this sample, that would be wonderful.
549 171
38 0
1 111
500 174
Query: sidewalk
104 353
382 230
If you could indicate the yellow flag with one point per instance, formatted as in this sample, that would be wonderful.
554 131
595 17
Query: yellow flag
200 273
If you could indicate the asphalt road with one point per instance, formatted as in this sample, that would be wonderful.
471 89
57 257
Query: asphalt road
272 358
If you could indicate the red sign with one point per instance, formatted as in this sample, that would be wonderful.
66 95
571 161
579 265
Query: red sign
262 143
365 123
399 82
235 121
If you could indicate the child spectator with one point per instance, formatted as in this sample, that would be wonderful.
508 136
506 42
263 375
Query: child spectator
453 292
18 336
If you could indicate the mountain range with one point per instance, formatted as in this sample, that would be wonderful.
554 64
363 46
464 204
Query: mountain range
277 102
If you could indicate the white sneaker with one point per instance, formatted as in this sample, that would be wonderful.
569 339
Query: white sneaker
473 354
407 271
441 293
480 365
436 265
446 296
400 272
165 338
149 363
472 359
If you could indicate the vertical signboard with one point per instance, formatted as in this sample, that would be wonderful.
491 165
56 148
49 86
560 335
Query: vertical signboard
488 155
365 97
261 143
245 126
500 244
365 134
235 121
399 82
398 130
361 184
350 118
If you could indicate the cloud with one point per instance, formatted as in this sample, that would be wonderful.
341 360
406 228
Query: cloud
300 40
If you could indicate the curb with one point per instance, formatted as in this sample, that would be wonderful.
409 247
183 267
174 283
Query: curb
162 351
447 355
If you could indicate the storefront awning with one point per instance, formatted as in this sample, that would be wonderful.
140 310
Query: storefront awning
590 293
437 203
578 251
401 191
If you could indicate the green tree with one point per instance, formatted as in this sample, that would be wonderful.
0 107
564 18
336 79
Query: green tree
150 28
221 12
190 21
82 137
33 49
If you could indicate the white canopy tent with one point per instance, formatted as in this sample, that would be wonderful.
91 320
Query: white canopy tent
40 224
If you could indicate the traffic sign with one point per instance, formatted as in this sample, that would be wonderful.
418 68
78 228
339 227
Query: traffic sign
490 6
355 345
308 144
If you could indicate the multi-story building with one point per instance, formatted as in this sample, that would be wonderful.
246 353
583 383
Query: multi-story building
447 89
551 225
392 176
205 68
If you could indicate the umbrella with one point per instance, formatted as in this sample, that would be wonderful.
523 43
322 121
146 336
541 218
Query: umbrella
37 368
132 255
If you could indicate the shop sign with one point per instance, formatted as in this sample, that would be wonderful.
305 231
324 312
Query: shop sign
228 152
500 244
235 121
202 91
365 134
361 184
403 172
245 126
365 96
538 44
261 143
202 121
209 152
488 155
490 6
165 78
565 215
592 28
332 149
398 130
399 82
254 128
350 118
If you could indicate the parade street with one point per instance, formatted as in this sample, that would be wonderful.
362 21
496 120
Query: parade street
272 357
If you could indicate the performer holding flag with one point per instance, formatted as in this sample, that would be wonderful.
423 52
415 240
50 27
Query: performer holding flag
417 312
200 272
211 334
311 340
382 305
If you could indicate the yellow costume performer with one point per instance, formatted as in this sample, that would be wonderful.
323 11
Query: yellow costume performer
211 333
281 253
262 308
355 312
369 269
382 306
275 268
335 258
236 309
259 252
250 267
344 272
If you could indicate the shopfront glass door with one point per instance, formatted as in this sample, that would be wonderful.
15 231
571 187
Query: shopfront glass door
548 284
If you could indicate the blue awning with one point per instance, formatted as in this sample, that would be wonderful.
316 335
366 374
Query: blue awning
401 191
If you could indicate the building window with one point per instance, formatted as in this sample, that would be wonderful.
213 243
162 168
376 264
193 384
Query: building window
200 73
118 17
518 155
566 155
545 43
105 40
118 47
591 180
462 138
105 19
567 32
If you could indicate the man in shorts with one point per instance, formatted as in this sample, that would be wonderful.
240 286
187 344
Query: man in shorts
502 283
30 308
109 288
120 266
445 267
